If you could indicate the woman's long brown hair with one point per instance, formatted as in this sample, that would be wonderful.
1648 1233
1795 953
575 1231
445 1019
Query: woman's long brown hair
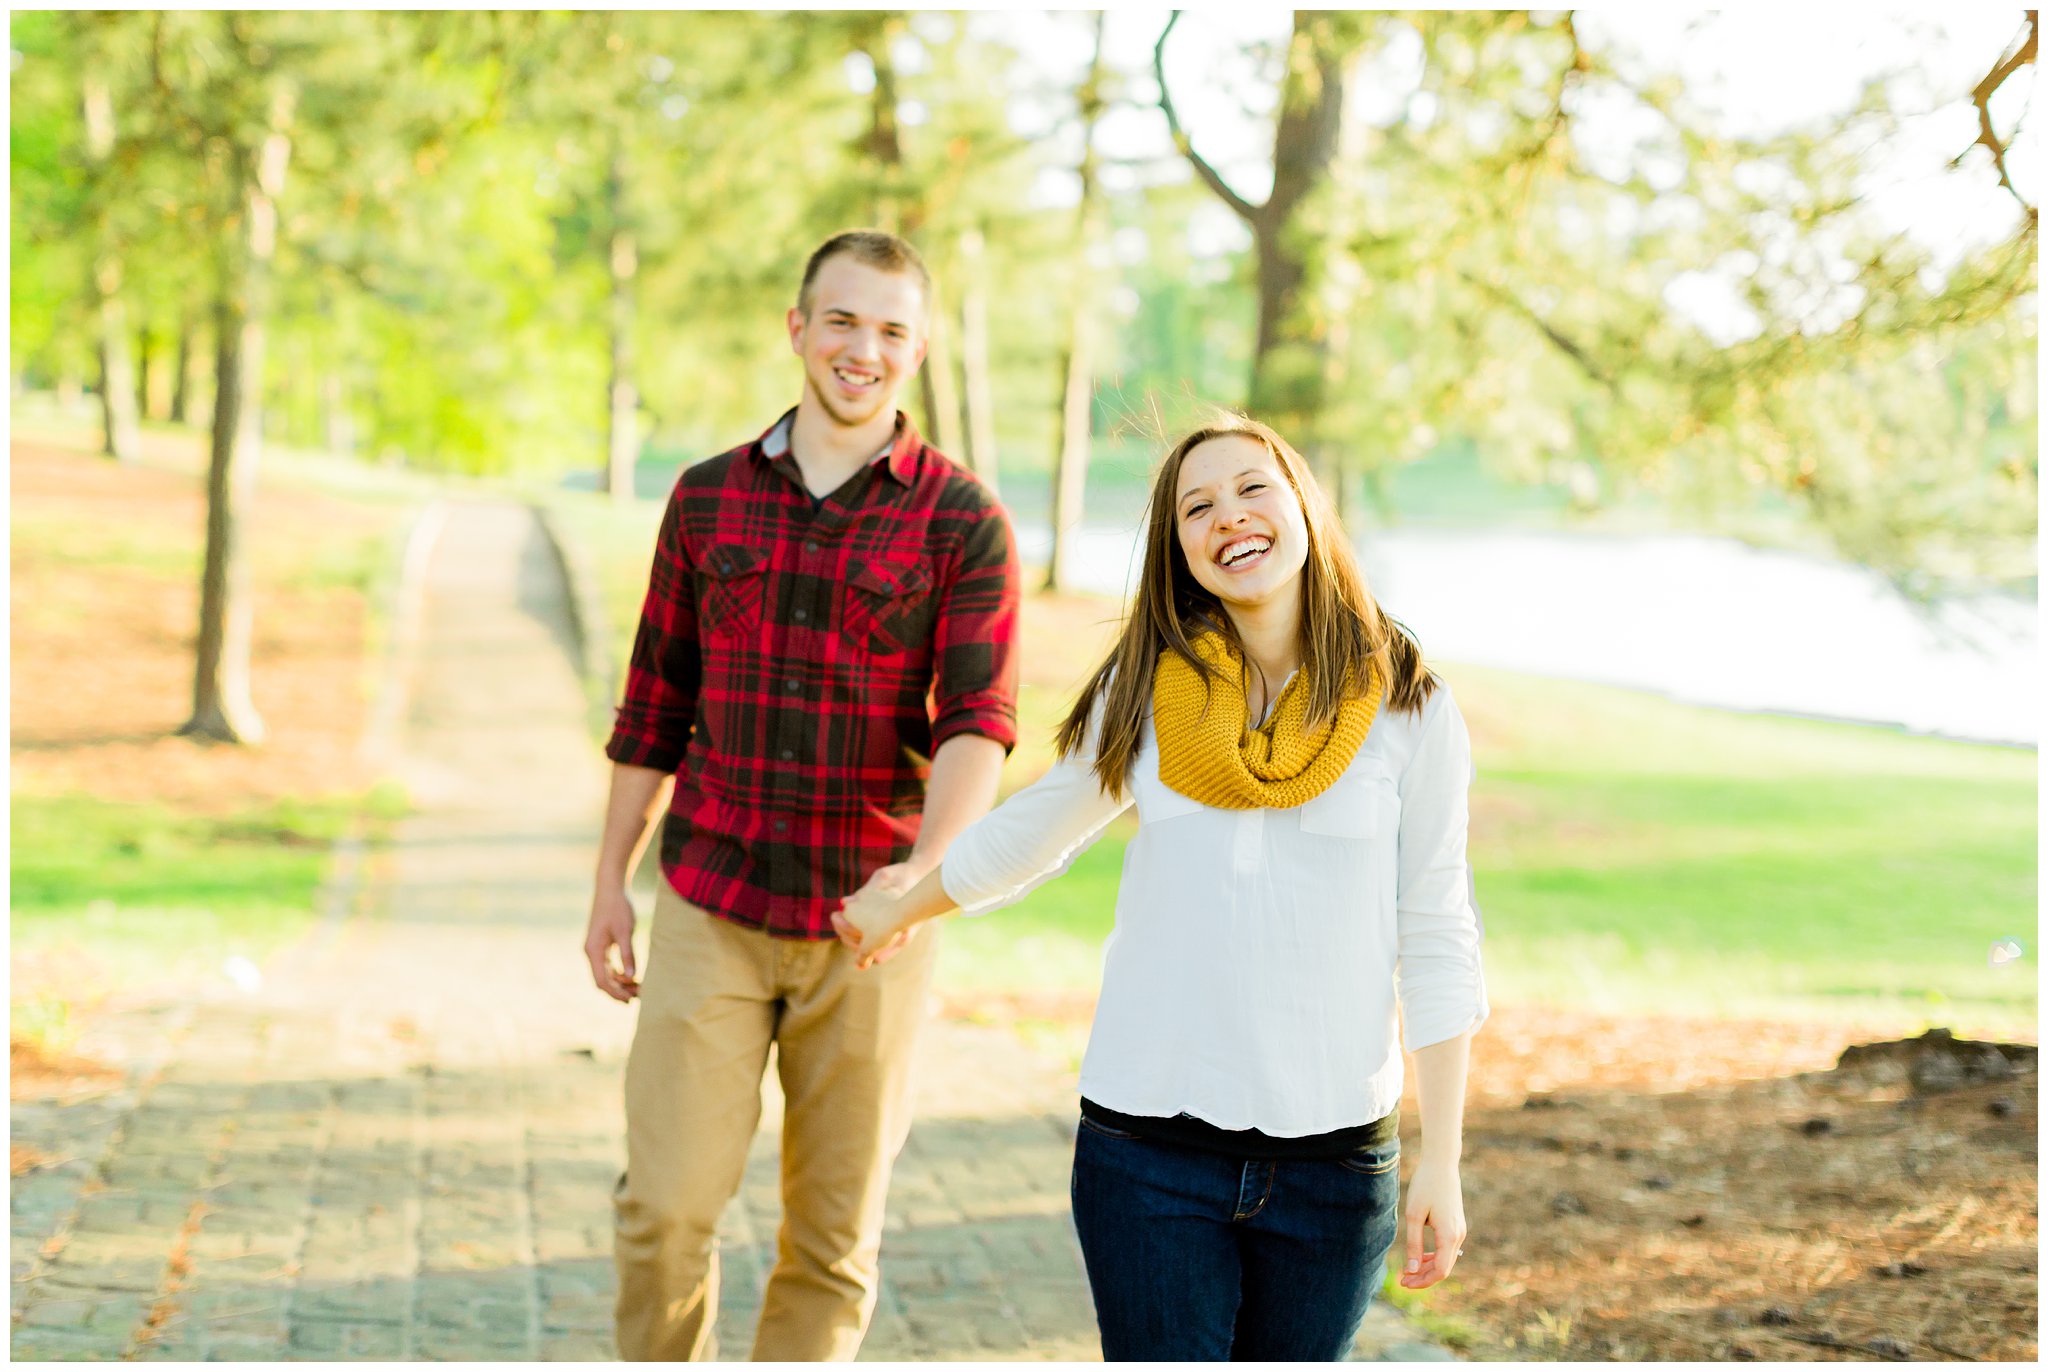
1344 632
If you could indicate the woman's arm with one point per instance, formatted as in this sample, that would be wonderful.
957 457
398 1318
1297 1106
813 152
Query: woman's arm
1438 979
1436 1199
1026 841
1441 987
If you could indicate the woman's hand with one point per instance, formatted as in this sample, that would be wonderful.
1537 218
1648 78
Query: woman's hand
1436 1202
872 922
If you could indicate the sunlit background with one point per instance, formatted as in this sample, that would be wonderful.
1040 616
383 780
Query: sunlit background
1675 373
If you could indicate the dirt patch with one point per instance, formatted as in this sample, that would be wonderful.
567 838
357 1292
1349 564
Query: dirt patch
103 654
37 1070
1806 1215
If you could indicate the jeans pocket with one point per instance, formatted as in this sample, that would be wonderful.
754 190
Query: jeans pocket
1105 1131
1373 1160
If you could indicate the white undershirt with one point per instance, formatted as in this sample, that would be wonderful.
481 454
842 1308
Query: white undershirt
1259 955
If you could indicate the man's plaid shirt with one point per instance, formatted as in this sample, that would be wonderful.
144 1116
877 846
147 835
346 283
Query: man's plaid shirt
798 663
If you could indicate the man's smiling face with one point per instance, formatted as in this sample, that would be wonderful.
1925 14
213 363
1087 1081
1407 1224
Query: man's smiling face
861 339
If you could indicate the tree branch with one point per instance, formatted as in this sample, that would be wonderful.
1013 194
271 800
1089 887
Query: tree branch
1564 344
1987 137
1244 208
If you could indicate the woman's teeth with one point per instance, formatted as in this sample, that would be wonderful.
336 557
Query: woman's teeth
1247 550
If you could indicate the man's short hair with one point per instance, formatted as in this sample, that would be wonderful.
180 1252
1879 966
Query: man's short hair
869 247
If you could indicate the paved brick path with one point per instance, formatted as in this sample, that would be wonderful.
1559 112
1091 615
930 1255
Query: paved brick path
402 1145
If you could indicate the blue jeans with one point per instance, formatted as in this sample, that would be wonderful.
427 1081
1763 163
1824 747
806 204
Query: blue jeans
1194 1256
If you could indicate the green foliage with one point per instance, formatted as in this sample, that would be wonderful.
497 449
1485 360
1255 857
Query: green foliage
1486 268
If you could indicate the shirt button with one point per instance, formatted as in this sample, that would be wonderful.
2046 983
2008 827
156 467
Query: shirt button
788 754
781 826
810 545
802 615
793 685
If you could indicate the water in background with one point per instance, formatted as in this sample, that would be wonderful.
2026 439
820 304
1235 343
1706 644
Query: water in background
1707 620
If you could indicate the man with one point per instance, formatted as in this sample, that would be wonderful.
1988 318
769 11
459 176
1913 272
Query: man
810 591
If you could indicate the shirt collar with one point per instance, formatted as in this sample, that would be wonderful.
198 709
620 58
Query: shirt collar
898 455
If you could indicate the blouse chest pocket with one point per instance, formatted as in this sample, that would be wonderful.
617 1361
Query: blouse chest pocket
734 580
1357 805
1159 802
889 607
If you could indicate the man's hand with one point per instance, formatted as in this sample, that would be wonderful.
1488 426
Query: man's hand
611 927
868 918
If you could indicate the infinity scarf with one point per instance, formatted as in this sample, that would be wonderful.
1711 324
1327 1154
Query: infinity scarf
1208 752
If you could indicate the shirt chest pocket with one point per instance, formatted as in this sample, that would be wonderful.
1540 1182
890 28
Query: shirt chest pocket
734 580
889 607
1357 805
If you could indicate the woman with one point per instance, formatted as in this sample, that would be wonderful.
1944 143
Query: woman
1299 867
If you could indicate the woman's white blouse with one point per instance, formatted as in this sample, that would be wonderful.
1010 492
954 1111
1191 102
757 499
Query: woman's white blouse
1252 977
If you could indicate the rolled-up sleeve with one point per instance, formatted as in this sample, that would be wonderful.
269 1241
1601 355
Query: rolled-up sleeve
974 648
1032 837
1441 986
653 724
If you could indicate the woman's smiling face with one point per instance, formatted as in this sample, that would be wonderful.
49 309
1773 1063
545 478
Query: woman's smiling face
1240 524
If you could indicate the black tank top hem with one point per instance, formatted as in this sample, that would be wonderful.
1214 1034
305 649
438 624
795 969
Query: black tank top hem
1185 1131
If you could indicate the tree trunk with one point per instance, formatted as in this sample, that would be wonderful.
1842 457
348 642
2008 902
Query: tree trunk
1077 365
1070 466
1288 372
222 708
146 376
884 142
221 705
120 429
622 432
181 379
941 387
897 212
338 430
981 416
1288 367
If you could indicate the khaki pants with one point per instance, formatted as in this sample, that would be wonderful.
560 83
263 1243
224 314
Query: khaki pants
712 998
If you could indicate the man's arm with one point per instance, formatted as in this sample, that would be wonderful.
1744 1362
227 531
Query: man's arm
974 688
652 729
638 794
965 770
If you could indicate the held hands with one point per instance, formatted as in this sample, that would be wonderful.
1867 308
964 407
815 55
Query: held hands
868 921
1436 1202
611 926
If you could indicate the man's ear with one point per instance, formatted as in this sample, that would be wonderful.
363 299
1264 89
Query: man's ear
795 320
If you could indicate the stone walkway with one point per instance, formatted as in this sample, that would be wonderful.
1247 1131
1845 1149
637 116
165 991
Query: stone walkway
402 1144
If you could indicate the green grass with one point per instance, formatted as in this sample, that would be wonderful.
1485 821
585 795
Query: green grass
125 894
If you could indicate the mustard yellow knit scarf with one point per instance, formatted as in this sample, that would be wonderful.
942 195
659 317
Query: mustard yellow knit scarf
1208 752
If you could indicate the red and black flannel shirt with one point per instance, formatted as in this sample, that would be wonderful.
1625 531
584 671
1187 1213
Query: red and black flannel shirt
786 656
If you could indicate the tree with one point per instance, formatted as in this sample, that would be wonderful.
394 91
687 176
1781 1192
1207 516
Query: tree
237 96
1290 357
1077 363
121 428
